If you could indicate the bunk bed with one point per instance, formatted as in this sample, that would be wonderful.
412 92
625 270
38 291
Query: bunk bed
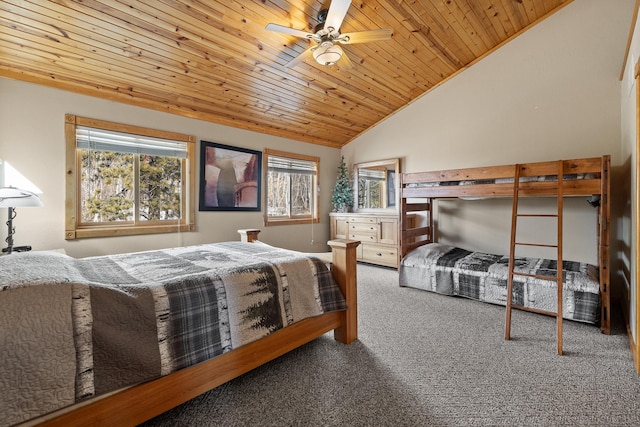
256 287
427 264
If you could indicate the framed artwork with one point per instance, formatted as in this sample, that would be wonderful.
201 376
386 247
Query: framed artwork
229 178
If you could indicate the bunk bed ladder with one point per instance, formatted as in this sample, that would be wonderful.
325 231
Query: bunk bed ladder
517 188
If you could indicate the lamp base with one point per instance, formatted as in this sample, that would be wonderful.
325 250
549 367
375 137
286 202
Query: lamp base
11 214
26 248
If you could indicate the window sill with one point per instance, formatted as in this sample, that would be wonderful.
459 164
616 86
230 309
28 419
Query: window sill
290 221
99 231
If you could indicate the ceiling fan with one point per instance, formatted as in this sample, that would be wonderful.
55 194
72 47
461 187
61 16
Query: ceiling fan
327 35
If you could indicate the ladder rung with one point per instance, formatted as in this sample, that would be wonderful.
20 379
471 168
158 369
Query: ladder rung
534 310
539 215
554 278
535 244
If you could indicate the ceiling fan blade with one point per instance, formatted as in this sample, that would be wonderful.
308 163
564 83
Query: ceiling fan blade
298 59
337 12
366 36
291 31
345 63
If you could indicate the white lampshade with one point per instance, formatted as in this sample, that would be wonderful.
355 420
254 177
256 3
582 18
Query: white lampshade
327 53
11 177
11 197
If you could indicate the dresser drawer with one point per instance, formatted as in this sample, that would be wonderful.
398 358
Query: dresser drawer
363 220
363 232
379 254
359 228
364 237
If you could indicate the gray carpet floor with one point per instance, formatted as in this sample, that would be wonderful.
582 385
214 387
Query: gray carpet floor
424 359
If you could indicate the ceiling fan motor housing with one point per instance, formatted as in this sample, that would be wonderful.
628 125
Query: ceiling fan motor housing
322 15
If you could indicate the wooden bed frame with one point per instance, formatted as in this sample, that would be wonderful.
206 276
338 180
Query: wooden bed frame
134 405
597 183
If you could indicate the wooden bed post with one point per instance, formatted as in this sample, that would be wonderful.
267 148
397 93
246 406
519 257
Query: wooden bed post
249 234
604 223
343 269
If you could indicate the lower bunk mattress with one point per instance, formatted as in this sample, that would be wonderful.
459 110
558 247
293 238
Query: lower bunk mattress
450 270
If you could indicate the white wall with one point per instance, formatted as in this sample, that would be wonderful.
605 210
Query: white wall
32 141
551 93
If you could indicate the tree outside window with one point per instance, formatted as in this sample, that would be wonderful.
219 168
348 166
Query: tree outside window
108 187
127 180
291 184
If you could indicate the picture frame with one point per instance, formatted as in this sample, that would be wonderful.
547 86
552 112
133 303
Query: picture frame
230 178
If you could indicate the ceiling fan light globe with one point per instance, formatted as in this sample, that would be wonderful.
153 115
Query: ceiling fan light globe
327 54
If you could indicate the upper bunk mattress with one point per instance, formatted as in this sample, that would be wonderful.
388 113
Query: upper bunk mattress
454 271
541 178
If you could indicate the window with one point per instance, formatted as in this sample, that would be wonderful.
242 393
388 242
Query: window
372 188
124 180
291 188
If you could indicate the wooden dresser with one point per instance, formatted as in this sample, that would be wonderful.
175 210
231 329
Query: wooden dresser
377 232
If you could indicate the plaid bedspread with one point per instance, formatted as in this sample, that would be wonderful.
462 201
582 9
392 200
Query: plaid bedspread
77 328
454 271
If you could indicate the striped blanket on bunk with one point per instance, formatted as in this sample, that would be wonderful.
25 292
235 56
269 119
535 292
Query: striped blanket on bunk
454 271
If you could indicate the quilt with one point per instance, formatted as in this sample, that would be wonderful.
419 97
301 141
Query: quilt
480 276
73 328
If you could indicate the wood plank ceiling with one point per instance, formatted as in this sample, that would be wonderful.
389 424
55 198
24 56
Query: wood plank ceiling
214 60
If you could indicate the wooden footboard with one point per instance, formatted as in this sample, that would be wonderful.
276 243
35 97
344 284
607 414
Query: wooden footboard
137 404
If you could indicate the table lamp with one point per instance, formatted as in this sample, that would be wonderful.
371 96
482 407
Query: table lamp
11 198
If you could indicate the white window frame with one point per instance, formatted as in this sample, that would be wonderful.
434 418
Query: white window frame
288 220
76 229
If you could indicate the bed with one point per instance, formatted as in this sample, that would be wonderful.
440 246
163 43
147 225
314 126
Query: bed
116 340
450 270
425 264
